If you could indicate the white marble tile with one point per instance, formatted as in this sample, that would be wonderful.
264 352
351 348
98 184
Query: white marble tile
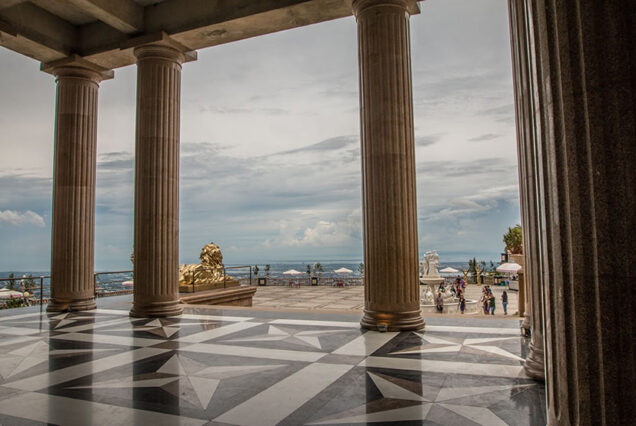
45 380
19 331
280 400
344 324
108 339
494 370
21 316
281 354
112 312
414 412
497 351
473 330
215 317
366 344
74 412
217 332
462 392
480 415
6 341
93 325
477 341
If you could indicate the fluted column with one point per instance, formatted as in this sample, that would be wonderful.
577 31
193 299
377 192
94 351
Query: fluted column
73 230
529 135
586 101
157 181
388 166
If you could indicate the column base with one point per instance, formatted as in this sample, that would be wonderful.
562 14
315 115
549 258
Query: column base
534 365
156 309
63 305
392 321
526 326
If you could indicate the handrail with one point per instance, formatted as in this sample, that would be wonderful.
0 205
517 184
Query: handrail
24 277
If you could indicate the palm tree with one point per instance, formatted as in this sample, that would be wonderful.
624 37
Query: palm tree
267 268
319 269
255 270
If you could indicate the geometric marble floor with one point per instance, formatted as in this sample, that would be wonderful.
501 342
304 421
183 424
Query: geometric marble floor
245 367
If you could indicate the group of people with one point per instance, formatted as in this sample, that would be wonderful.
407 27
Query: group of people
457 290
488 301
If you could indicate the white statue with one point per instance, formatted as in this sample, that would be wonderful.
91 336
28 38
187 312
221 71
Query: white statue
430 263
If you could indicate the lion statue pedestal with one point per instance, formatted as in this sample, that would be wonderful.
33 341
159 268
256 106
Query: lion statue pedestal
206 275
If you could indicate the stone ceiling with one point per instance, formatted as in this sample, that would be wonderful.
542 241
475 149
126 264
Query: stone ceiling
104 32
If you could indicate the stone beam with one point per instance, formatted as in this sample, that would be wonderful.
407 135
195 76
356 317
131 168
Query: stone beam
34 32
123 15
204 23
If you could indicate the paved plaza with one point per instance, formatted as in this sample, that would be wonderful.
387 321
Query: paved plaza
327 298
211 366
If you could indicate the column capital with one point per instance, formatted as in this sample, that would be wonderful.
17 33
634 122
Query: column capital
161 46
359 6
78 67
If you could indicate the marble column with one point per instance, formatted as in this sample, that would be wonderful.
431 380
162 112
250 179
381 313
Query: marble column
388 166
586 100
529 134
157 181
73 230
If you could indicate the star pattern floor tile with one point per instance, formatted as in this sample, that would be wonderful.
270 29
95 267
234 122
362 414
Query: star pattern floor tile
257 368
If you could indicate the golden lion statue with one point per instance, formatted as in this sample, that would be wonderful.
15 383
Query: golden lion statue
205 275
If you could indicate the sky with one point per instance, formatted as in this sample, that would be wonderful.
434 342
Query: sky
270 146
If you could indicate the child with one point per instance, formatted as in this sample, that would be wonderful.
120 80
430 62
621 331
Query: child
462 303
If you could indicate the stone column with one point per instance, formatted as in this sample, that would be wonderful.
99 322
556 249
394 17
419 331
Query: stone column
529 134
388 166
73 230
157 181
587 104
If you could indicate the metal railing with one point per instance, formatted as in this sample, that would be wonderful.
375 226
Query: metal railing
27 283
244 275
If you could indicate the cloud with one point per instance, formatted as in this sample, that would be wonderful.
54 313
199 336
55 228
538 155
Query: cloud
428 140
17 219
332 144
342 230
485 137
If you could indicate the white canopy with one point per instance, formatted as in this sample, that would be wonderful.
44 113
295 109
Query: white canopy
292 272
510 268
449 270
343 271
5 293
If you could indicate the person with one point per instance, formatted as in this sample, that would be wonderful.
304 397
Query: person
491 303
504 302
439 303
462 303
484 303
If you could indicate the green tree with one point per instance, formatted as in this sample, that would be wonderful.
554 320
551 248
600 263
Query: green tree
29 283
361 268
514 240
11 285
308 270
255 269
267 268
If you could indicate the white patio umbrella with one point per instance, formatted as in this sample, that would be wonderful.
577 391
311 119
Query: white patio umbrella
509 268
292 272
343 271
449 270
5 293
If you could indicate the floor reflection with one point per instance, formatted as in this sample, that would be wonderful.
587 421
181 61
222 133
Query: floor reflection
260 368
